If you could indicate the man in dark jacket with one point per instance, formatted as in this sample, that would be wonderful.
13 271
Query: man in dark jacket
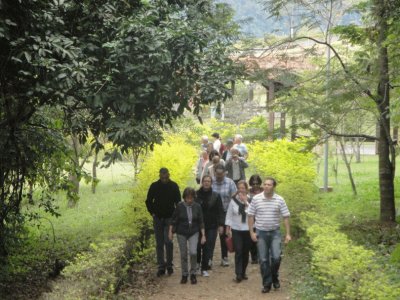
162 198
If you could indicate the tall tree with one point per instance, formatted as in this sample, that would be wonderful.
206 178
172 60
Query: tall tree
383 19
104 66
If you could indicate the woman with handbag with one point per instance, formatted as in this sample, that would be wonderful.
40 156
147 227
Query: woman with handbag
238 229
187 222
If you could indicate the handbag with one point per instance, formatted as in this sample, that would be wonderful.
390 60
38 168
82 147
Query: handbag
229 244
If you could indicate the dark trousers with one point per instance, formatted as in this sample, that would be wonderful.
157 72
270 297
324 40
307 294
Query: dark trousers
161 227
269 251
224 249
253 250
206 252
241 244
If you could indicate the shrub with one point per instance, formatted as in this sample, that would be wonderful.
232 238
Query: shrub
291 165
349 271
97 273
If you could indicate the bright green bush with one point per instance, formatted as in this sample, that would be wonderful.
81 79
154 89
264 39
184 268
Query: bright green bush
349 271
96 274
291 165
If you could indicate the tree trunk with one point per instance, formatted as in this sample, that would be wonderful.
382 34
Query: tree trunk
73 192
293 131
395 134
357 150
348 166
283 125
94 173
386 148
271 114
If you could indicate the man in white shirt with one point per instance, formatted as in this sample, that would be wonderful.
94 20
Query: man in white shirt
267 208
217 141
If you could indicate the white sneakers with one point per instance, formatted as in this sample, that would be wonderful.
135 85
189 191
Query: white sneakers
205 274
225 262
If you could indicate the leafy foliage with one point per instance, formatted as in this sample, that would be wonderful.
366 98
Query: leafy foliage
345 268
118 68
291 164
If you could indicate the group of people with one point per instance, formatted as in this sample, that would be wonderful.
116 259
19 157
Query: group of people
224 205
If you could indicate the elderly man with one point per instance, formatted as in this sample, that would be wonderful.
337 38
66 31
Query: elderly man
240 146
267 208
204 142
162 198
225 187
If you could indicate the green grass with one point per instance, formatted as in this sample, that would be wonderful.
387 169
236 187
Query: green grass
342 203
95 218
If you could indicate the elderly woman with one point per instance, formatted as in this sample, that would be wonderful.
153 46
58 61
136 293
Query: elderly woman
187 222
238 229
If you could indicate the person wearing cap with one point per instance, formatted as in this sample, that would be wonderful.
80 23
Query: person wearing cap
162 199
217 141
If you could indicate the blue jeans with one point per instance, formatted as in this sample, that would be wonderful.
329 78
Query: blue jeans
269 255
161 228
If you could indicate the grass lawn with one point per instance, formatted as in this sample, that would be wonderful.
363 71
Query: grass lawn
96 217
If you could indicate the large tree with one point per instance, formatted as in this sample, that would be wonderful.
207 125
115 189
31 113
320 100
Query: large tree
89 67
381 21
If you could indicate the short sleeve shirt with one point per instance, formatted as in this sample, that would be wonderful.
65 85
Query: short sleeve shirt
268 212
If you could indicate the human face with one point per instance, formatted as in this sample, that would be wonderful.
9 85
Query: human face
242 189
206 183
164 177
269 187
219 175
189 199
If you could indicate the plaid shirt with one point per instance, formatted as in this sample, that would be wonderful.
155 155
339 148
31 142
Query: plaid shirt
225 189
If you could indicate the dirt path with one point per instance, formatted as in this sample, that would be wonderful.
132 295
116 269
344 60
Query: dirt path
220 284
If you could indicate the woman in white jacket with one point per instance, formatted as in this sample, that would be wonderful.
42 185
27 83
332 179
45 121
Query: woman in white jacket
238 229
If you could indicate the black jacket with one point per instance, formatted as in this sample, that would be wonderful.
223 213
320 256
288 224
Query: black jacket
180 221
162 198
213 210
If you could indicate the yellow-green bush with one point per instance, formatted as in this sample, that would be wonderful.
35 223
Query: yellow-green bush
96 274
348 270
290 164
176 155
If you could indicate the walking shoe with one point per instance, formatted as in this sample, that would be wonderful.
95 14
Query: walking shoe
238 278
160 273
170 271
276 285
184 279
210 264
205 274
266 289
245 277
193 279
225 262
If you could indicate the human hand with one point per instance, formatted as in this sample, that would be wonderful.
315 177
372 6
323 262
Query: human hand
203 240
221 230
253 236
288 238
229 233
170 236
